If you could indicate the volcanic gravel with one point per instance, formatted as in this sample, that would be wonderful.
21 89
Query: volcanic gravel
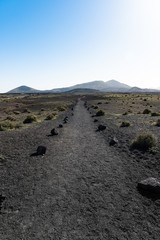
82 188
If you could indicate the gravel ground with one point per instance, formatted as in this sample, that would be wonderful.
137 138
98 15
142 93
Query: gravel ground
80 189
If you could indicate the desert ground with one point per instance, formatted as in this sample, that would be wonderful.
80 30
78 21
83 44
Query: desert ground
83 187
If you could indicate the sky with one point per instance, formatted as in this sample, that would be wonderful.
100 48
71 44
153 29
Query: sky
47 44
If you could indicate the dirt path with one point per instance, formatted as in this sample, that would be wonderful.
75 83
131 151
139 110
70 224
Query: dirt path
81 188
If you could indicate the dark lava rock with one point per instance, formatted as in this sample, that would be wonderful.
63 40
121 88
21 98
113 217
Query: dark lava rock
113 141
54 131
150 184
41 150
60 126
101 127
95 120
65 121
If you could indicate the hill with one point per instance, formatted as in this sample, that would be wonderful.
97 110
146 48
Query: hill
23 89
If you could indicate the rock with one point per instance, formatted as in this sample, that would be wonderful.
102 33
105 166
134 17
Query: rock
101 127
95 120
41 150
113 141
54 131
60 126
65 121
150 184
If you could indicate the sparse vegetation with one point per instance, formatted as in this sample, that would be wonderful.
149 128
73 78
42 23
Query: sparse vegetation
144 142
30 119
61 108
16 112
26 110
158 123
51 116
125 124
155 114
11 118
146 111
7 125
100 113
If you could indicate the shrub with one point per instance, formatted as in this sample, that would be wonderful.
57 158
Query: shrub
125 124
61 108
154 114
146 111
158 123
145 142
100 113
26 110
30 119
11 118
16 112
8 125
51 116
94 106
99 103
125 113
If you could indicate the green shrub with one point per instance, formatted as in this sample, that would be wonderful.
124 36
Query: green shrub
158 123
145 142
154 114
125 124
16 112
125 113
100 113
11 118
51 116
94 106
26 110
7 125
30 119
146 111
61 108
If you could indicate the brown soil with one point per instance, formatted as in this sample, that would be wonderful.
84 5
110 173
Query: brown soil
82 188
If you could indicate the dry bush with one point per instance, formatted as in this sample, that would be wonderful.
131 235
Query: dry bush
30 119
145 141
100 113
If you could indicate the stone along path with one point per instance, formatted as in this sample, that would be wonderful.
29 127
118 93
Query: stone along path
81 189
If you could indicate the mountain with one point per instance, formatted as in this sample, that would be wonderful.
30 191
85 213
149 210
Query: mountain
23 89
142 90
109 86
83 90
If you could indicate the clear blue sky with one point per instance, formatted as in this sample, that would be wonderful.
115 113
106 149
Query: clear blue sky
46 44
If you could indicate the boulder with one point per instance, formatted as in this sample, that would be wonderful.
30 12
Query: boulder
113 141
150 184
41 150
101 127
54 131
95 120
